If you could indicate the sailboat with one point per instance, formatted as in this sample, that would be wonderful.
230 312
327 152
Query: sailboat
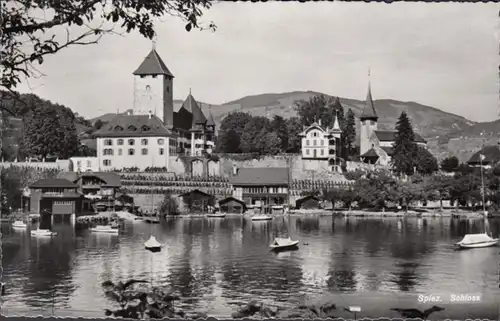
480 239
285 244
152 244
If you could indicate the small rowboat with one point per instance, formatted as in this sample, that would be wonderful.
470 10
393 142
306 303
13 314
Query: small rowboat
217 215
151 219
261 218
282 244
471 241
19 225
42 232
104 229
153 245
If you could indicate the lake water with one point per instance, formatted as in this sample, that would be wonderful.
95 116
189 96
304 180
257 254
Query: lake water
218 264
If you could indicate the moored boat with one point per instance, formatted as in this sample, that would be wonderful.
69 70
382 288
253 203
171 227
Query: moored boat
43 232
476 241
19 224
104 229
261 218
153 245
152 219
217 215
281 244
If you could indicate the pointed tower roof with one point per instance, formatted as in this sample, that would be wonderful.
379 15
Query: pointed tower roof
336 125
369 111
192 106
210 120
153 65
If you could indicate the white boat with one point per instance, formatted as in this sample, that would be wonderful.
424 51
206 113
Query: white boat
217 215
19 224
152 244
104 229
262 218
43 232
284 244
471 241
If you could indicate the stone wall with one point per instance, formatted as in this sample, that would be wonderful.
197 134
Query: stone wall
59 164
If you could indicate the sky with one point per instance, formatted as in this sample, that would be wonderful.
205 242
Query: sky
445 55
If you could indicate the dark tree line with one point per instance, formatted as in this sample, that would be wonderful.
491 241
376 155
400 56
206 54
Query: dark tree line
243 133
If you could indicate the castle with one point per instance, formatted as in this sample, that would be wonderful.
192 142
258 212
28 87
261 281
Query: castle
153 131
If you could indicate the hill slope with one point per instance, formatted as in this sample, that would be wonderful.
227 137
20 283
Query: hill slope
437 126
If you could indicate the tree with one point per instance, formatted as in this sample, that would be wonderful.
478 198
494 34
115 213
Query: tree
10 191
28 38
98 124
250 139
405 150
319 107
438 187
231 129
279 126
272 143
349 134
449 164
169 205
426 162
294 128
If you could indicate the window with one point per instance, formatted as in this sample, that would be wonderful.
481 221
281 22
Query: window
144 141
168 89
322 152
372 122
321 142
307 151
314 142
132 128
119 151
154 76
144 151
131 152
89 163
106 162
131 142
145 128
108 142
62 202
118 128
148 87
108 151
161 141
78 163
162 151
307 142
120 142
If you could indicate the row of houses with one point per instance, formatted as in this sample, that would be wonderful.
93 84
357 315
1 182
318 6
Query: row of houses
261 189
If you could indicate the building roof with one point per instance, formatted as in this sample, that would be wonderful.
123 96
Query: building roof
390 136
53 183
229 199
314 125
153 65
491 155
192 106
110 179
370 153
210 120
134 126
313 197
388 150
369 111
196 191
261 176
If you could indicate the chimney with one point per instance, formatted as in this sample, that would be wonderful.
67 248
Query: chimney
235 170
149 114
319 123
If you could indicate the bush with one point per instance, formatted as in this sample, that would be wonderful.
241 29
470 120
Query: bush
169 205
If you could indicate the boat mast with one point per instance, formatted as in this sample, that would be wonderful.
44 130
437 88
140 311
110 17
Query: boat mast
481 157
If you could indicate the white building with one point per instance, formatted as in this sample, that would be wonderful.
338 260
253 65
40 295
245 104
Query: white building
319 143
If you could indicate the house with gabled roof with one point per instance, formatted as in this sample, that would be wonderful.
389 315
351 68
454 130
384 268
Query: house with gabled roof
376 146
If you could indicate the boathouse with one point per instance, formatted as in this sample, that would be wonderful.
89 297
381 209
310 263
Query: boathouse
99 188
197 201
55 196
308 202
264 188
232 205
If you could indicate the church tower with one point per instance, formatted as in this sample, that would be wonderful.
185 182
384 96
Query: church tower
153 89
368 121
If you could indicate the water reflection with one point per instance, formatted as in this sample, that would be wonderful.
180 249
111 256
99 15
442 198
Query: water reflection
216 263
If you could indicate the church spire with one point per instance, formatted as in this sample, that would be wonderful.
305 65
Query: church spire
369 112
336 124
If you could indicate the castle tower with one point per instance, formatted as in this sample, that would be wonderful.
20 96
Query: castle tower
153 89
368 121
